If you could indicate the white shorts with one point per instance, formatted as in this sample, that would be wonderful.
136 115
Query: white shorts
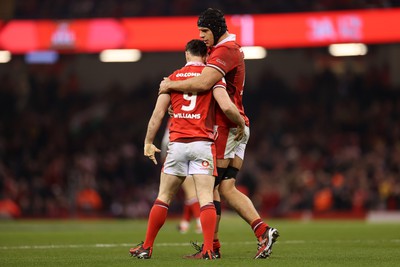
190 158
227 147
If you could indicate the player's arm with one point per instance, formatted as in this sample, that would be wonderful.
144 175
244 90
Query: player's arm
153 126
230 110
208 77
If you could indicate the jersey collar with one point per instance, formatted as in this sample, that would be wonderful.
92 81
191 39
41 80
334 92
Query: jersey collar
231 37
194 63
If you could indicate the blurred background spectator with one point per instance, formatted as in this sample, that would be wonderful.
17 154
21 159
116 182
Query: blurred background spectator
57 9
328 142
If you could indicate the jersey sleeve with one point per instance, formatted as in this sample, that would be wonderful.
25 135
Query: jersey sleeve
220 84
224 59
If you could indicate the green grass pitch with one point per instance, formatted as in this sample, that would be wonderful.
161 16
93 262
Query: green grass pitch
106 243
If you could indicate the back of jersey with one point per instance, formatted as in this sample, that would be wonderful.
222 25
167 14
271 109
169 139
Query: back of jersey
194 113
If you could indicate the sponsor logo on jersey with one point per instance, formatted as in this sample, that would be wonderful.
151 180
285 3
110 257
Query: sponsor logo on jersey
188 74
195 116
220 61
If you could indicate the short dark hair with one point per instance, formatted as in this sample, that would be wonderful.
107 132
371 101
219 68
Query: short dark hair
213 19
196 47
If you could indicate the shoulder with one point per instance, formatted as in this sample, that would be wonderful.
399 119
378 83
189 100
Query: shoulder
229 45
227 49
177 72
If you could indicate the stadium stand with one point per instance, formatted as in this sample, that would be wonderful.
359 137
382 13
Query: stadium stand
327 143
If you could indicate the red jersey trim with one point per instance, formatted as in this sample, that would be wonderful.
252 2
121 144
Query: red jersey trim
217 68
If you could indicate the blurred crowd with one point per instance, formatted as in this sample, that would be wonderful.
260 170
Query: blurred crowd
329 143
64 9
64 151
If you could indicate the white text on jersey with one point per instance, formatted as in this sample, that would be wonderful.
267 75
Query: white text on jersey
187 116
188 74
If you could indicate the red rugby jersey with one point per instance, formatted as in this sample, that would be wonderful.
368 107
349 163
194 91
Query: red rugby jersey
227 57
194 113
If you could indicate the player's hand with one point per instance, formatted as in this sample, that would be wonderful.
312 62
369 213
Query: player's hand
164 86
170 111
150 151
239 133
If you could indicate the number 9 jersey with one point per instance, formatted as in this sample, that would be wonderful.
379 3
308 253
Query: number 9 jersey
194 113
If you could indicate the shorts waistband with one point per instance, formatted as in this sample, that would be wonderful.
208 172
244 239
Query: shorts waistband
192 139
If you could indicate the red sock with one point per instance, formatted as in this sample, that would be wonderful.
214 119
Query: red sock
157 217
216 244
186 212
208 218
195 208
258 227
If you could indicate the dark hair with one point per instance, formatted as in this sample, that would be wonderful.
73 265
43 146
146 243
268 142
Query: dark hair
213 19
196 47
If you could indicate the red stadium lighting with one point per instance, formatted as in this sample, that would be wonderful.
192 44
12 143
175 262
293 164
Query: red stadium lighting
153 34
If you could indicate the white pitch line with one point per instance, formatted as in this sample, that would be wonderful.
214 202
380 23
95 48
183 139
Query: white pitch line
290 242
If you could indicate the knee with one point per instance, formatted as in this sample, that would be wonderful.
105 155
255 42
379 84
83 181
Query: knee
226 188
166 198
